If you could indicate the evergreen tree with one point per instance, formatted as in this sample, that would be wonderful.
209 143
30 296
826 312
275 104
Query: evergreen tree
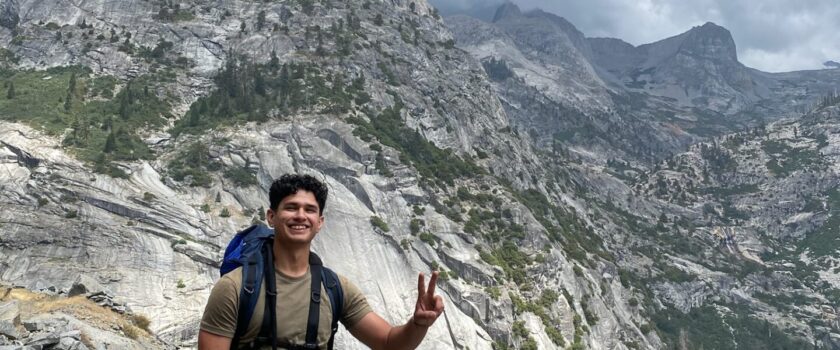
194 118
10 94
274 64
110 143
67 103
260 20
259 82
71 88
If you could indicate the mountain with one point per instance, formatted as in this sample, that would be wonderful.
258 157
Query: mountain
139 136
680 236
483 10
541 66
564 209
697 68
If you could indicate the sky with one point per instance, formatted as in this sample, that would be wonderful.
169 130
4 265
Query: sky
770 35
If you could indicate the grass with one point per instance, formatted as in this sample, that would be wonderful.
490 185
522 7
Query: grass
134 326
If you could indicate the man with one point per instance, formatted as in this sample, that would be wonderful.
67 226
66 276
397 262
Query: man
296 214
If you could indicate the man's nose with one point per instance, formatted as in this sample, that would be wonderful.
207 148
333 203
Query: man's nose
300 213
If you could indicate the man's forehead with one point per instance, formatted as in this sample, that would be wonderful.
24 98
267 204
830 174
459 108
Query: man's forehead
300 195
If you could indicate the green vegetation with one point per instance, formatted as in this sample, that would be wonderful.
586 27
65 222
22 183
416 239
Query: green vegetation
250 92
545 302
497 69
378 223
172 12
784 159
440 166
512 260
415 226
718 158
241 176
712 329
735 190
824 241
181 284
225 213
98 126
676 275
564 226
192 165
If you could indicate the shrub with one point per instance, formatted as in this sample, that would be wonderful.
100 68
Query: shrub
141 321
380 224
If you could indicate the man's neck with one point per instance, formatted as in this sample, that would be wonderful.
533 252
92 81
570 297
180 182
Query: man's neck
291 260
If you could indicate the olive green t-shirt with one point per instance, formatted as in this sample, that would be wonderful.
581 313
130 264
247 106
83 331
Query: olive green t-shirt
293 295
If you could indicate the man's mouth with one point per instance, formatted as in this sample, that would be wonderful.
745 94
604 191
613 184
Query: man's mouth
298 227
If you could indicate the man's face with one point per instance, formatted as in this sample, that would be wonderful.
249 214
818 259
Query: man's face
297 218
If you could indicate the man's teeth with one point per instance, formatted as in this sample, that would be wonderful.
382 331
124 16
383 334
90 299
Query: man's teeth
298 227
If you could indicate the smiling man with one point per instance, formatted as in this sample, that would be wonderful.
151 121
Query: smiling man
302 313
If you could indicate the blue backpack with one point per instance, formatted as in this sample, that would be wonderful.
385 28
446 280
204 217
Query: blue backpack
252 249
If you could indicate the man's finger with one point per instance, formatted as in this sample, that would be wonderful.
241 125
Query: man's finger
421 285
438 304
432 283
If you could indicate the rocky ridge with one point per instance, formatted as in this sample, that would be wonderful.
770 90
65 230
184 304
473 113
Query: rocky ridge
154 237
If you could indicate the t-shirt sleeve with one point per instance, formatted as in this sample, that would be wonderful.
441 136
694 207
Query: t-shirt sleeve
222 307
355 304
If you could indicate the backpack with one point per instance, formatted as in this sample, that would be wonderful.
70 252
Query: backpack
252 249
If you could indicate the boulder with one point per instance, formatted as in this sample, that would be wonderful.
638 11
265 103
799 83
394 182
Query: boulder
10 320
85 285
44 339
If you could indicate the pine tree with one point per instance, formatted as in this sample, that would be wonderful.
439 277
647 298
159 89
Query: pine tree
259 82
260 20
71 88
110 143
274 64
10 94
67 103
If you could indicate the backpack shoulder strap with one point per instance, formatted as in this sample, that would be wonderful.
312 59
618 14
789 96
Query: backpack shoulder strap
270 298
248 295
254 251
334 290
336 293
316 272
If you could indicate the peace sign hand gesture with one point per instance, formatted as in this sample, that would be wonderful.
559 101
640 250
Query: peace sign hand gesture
429 306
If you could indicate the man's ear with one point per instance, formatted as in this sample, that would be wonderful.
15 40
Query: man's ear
269 217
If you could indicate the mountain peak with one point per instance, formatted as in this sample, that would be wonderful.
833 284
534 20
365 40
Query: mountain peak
712 41
507 9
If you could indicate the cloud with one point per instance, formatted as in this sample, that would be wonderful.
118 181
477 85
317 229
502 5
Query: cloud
771 35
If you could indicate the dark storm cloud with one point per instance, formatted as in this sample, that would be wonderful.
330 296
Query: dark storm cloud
771 35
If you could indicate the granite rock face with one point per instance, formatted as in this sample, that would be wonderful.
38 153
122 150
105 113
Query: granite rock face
547 239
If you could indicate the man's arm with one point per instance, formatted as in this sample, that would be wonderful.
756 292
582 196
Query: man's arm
210 341
376 333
